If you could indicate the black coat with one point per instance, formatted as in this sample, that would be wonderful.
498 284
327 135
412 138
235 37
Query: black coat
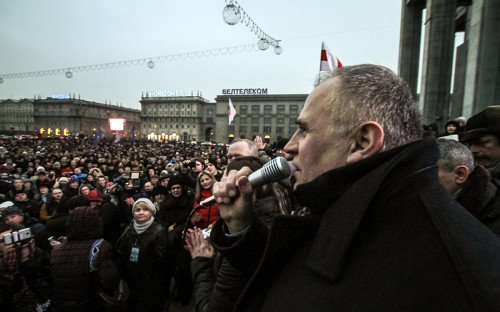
383 235
146 278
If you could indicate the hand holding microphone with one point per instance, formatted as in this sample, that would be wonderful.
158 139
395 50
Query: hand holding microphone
237 210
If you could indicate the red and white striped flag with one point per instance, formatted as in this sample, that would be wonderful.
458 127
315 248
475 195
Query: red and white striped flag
231 111
328 61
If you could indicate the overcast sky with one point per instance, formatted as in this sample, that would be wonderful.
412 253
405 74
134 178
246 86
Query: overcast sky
56 34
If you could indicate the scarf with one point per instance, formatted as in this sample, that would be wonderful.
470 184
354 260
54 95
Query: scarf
142 227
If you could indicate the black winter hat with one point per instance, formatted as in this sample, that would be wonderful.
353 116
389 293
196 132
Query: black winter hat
483 123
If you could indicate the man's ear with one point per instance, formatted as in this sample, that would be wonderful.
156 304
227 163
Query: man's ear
461 174
366 141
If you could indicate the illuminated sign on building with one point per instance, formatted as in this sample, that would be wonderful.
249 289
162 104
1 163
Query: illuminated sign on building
44 132
244 91
116 124
164 93
61 96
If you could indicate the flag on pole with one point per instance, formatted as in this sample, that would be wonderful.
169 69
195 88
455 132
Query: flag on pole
328 61
98 137
231 111
133 134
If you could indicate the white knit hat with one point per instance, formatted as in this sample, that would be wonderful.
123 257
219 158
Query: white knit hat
150 204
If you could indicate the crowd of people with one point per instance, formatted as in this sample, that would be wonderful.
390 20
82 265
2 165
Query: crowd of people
376 216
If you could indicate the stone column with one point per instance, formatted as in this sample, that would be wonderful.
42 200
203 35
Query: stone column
438 60
409 42
482 82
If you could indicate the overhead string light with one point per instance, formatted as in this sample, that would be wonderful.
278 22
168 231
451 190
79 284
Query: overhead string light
149 62
233 13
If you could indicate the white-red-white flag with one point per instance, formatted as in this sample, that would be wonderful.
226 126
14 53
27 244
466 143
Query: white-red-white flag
328 61
231 111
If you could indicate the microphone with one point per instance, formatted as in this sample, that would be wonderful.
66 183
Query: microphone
275 170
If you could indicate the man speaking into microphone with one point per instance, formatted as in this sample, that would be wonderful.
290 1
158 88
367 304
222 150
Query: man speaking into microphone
382 235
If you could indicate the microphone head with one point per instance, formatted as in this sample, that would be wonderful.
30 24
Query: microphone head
273 171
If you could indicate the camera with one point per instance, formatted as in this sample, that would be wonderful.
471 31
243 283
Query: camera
14 237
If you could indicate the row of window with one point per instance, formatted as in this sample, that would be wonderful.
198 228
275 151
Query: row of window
170 119
267 120
268 109
165 113
266 129
161 126
171 106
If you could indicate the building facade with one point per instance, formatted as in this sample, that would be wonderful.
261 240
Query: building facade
16 116
177 118
271 116
173 118
53 117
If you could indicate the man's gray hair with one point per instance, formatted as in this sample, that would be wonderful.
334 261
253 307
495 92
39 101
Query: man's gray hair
252 147
373 93
453 153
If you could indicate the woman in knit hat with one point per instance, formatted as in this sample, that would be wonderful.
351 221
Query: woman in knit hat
142 254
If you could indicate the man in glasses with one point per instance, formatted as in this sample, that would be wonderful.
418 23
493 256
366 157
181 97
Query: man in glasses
482 137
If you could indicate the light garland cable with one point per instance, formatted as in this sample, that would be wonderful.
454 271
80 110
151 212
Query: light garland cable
234 13
149 61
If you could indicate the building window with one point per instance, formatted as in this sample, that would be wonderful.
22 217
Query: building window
210 111
255 109
210 120
255 120
280 110
255 129
280 121
267 129
279 130
294 109
267 120
243 120
268 109
243 109
243 129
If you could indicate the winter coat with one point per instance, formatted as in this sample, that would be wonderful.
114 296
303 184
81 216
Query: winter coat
147 277
207 215
75 287
480 195
383 235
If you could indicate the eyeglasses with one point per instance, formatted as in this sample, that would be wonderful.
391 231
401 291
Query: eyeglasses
478 142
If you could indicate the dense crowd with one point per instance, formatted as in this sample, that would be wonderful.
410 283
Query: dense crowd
43 182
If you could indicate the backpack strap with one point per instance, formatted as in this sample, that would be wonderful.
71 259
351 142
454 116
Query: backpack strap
94 253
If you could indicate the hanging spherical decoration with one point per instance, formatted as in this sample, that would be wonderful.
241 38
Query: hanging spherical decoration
151 64
278 50
68 74
263 44
231 14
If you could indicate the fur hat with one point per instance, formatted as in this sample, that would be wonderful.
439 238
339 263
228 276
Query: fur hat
160 189
150 204
175 180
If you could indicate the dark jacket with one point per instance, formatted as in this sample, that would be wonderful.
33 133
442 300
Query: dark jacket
75 287
383 235
481 197
146 278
